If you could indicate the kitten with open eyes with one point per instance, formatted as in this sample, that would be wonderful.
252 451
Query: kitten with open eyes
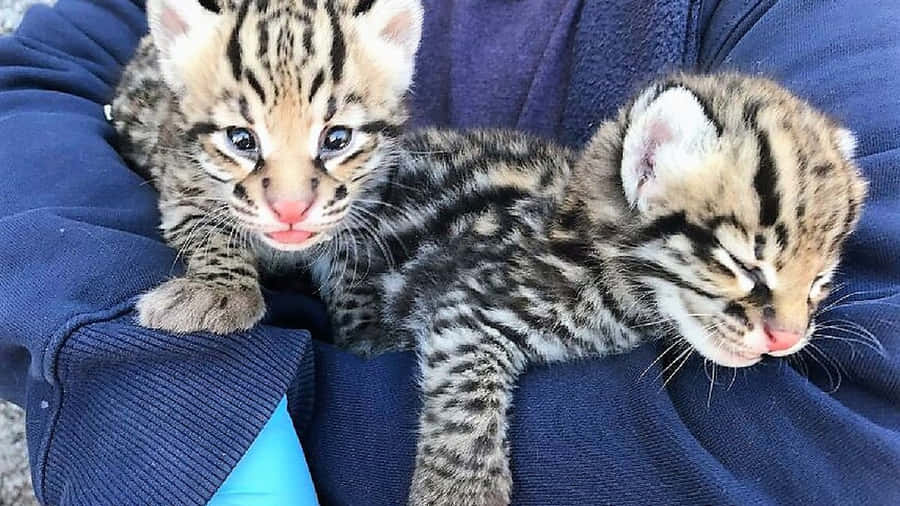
711 210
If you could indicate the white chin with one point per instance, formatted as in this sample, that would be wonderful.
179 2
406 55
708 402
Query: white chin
731 359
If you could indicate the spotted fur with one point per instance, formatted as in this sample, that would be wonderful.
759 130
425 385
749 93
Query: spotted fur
288 70
710 209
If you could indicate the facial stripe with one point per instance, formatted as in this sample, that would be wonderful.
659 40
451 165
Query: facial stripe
254 83
338 45
654 270
765 182
382 127
202 128
316 84
234 43
244 107
332 109
781 233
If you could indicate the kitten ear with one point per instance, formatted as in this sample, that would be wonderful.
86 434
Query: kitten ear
394 28
174 24
846 142
668 133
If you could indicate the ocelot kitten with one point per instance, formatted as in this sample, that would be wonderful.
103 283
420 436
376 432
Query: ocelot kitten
710 211
320 82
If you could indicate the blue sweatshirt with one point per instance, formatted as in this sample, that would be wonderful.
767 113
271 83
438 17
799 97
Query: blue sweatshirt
122 415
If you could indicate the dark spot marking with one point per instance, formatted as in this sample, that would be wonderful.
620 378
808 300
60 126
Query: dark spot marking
199 129
483 445
736 311
244 106
436 358
266 182
461 367
467 386
363 7
759 246
340 193
211 6
823 169
381 127
751 110
223 302
316 84
331 109
314 183
458 428
255 84
782 233
476 405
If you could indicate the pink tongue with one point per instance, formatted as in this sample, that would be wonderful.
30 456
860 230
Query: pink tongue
291 236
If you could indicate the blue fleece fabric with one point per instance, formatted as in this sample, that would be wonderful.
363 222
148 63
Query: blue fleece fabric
122 415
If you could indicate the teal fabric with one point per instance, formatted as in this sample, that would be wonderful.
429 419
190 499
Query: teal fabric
273 472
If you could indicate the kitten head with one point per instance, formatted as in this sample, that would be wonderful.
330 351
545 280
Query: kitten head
744 196
291 105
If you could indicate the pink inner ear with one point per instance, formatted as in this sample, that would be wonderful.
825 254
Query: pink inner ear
172 23
658 133
397 29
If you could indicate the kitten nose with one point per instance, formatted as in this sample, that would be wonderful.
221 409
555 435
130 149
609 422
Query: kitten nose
780 339
291 211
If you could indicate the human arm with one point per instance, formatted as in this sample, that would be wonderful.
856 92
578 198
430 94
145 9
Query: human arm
117 414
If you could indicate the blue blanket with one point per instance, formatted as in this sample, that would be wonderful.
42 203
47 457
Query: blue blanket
122 415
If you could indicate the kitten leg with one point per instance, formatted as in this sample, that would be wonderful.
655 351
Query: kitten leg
356 320
219 292
469 372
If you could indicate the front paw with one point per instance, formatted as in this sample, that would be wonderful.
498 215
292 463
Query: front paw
186 305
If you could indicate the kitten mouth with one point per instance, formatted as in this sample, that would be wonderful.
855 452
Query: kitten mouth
291 237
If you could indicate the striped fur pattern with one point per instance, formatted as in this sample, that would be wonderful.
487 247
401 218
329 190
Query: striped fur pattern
709 208
234 106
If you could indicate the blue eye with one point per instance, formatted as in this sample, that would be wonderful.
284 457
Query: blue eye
335 140
243 140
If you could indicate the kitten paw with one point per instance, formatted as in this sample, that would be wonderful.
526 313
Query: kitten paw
186 305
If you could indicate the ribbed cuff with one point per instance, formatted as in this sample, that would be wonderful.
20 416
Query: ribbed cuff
146 417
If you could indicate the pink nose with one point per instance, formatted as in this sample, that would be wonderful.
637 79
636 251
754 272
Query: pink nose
291 211
780 340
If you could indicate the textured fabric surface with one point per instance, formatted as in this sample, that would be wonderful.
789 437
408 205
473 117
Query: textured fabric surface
121 415
15 478
117 414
